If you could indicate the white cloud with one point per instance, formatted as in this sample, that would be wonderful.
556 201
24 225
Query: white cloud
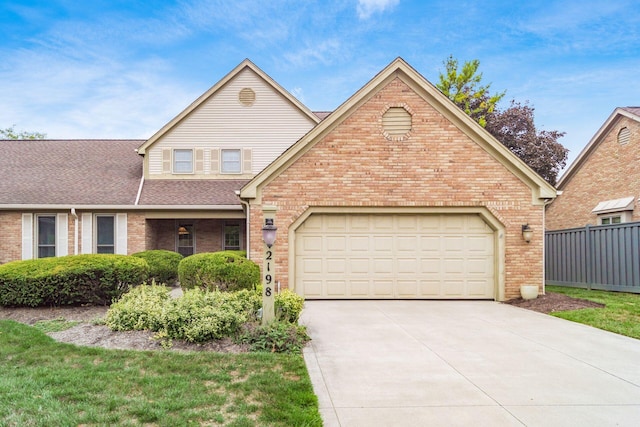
366 8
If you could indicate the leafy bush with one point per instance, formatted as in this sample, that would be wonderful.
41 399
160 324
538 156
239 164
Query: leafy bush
139 309
163 265
223 271
70 280
274 337
288 306
197 316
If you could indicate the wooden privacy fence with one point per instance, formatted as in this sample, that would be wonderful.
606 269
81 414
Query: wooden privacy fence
594 257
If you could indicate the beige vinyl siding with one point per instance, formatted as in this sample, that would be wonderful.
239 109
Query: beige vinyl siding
267 128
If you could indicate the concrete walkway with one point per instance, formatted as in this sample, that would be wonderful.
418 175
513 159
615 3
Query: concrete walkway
463 363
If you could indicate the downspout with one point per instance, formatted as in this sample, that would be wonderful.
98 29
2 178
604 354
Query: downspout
75 231
139 191
544 245
247 225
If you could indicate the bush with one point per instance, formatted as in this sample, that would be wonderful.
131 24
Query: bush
288 306
163 265
274 337
223 271
197 316
139 309
96 279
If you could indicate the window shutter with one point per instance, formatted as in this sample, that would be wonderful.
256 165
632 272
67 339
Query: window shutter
166 160
246 160
199 161
27 236
87 233
215 161
62 234
121 234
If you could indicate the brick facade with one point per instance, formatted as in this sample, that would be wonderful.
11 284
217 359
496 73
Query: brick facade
610 172
437 165
11 241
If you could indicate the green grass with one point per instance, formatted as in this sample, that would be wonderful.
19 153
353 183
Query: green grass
45 383
55 325
621 313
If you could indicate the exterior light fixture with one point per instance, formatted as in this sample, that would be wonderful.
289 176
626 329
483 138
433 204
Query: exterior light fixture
182 231
269 232
527 233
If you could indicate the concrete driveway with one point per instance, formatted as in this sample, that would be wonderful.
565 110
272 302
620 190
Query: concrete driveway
464 363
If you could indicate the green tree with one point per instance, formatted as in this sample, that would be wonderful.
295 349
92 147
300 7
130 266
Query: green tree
464 89
514 127
11 133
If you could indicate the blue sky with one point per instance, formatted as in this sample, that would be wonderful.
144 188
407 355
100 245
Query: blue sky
123 68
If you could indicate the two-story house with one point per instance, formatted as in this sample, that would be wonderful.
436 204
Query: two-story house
395 194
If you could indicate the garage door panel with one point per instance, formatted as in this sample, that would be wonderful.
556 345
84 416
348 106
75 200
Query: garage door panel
359 243
395 256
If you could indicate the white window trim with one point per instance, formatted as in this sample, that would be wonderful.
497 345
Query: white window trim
222 152
625 216
174 161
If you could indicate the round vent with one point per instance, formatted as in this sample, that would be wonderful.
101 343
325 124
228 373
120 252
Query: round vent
247 97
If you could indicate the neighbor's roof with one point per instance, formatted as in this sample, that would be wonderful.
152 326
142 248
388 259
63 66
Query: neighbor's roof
70 172
629 112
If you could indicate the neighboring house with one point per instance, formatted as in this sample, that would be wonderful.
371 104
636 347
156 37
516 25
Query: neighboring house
602 185
395 194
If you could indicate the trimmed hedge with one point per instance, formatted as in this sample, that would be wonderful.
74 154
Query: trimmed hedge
95 279
163 265
224 271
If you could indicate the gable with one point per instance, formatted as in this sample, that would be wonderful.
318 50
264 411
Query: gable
246 111
621 118
444 117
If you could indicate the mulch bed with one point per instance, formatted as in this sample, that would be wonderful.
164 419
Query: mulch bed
552 302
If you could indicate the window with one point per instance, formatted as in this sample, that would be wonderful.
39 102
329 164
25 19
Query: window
46 231
231 161
105 234
186 239
608 220
232 237
182 161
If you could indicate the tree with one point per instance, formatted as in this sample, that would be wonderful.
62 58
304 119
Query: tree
11 133
513 127
464 89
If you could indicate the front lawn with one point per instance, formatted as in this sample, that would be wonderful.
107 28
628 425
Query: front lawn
621 313
45 383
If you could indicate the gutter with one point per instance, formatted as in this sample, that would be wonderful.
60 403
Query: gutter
75 231
14 207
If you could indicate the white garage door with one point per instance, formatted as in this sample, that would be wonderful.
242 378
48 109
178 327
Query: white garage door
395 256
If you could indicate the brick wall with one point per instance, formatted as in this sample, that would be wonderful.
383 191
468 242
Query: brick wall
610 172
11 240
438 165
136 232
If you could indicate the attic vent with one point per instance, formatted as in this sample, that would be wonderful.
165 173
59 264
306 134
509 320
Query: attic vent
623 136
396 123
247 97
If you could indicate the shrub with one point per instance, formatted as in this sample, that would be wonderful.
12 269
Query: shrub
139 309
163 265
288 306
197 316
274 337
95 279
223 271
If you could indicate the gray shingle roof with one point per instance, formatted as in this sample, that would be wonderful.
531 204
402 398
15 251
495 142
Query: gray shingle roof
190 192
633 110
96 172
70 172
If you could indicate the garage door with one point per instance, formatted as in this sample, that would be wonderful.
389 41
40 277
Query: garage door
395 256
